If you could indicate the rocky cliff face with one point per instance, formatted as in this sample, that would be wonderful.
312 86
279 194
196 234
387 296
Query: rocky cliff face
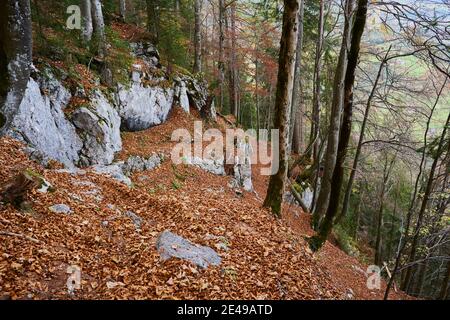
41 123
90 134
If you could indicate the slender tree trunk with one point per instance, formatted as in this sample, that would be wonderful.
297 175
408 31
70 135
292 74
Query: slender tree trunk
378 241
422 271
297 103
413 198
269 110
97 19
123 9
335 121
99 26
348 189
257 97
152 20
358 215
318 240
221 63
285 82
426 196
444 288
315 125
197 36
392 230
234 74
86 25
15 56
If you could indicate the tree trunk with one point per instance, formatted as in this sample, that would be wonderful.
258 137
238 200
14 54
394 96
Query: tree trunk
197 36
152 20
348 189
232 73
285 82
422 271
297 103
444 289
86 25
15 56
123 9
378 241
426 196
97 19
402 246
318 240
315 125
335 121
358 215
221 64
257 97
99 25
392 230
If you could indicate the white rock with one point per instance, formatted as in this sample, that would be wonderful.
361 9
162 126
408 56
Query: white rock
60 208
143 107
114 171
100 126
41 123
210 165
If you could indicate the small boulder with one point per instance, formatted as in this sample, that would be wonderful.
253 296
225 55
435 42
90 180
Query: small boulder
210 165
137 164
114 171
137 221
60 208
171 245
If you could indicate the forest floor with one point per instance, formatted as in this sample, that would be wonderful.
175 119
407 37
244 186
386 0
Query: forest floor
264 257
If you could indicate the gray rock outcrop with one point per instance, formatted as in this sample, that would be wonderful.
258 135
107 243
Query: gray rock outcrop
90 134
171 245
210 165
114 171
243 166
99 127
60 208
40 122
136 163
142 107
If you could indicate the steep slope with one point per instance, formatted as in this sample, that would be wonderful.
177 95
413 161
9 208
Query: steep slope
262 257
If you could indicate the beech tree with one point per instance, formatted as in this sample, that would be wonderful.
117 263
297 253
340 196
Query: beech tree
315 124
123 9
297 103
285 82
344 135
86 25
152 19
335 120
197 37
15 56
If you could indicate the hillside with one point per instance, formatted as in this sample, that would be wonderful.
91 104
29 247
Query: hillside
117 118
262 257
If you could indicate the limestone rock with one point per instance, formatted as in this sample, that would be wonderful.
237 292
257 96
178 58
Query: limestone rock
171 245
114 171
181 95
99 127
243 167
210 165
142 107
136 163
60 208
137 221
41 123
